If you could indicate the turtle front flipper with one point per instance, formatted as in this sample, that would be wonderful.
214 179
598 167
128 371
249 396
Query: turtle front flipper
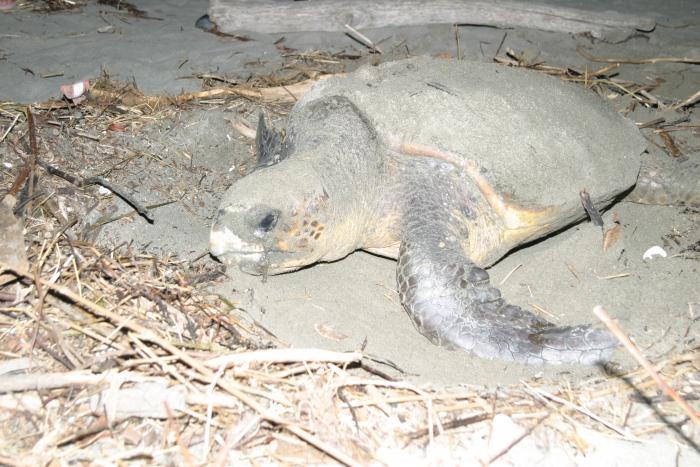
451 301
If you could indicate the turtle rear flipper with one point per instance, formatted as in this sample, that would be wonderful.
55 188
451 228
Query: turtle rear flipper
452 303
666 180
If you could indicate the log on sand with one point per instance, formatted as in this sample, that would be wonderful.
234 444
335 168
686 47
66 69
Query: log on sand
275 16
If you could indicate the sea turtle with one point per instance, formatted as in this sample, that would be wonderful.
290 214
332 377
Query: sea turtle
446 166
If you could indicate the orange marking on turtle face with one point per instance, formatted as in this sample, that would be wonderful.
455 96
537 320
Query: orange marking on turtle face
292 229
282 245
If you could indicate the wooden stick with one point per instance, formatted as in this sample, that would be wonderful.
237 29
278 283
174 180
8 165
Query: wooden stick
243 129
284 356
457 423
9 128
362 38
33 382
582 410
30 162
641 359
514 442
274 16
503 281
638 61
690 100
98 180
290 93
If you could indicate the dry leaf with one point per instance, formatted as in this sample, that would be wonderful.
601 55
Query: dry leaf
670 144
116 127
611 236
328 332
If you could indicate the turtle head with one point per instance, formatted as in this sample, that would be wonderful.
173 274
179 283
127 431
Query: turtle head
311 202
279 219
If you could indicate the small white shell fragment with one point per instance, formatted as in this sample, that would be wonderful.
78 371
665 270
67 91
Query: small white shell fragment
7 165
104 191
656 250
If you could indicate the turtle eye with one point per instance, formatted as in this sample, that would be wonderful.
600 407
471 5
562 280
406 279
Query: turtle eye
267 223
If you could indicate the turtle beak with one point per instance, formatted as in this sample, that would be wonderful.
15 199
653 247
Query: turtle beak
233 251
223 242
230 248
259 226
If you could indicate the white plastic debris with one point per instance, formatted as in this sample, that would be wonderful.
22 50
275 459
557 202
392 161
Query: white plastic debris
146 399
75 91
7 165
656 250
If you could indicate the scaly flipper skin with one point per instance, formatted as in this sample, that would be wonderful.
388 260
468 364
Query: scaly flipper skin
452 303
667 180
514 217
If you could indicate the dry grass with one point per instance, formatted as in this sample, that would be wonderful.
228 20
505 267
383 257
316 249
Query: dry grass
112 356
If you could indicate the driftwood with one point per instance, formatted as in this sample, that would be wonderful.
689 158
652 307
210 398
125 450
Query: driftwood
286 93
274 16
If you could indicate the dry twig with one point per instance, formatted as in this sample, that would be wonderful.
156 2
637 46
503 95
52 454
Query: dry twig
634 351
638 61
204 373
